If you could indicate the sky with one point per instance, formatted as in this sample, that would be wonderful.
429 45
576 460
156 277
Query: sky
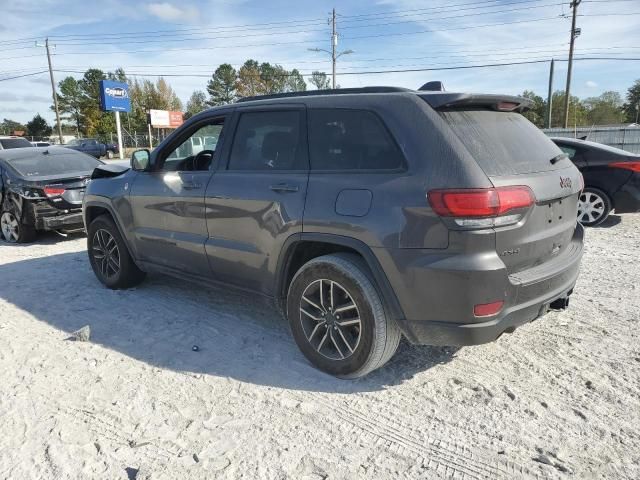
186 40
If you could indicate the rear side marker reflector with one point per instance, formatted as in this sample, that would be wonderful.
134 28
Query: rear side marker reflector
480 202
53 191
487 309
633 166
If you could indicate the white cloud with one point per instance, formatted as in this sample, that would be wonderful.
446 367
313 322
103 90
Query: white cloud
591 84
169 12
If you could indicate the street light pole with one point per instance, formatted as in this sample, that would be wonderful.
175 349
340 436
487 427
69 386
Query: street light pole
53 88
334 44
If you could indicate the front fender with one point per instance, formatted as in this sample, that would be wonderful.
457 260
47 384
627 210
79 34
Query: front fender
112 195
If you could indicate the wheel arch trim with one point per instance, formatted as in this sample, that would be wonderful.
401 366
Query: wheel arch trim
116 220
390 300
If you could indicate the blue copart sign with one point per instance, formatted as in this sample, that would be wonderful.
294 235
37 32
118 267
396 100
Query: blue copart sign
114 96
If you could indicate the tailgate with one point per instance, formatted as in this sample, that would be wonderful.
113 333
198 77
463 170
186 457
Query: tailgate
546 231
513 152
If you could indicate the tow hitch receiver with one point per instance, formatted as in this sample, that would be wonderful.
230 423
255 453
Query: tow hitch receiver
560 304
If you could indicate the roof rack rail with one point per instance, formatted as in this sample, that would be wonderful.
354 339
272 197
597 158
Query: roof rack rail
337 91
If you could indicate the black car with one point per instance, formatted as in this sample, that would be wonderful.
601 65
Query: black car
42 189
611 179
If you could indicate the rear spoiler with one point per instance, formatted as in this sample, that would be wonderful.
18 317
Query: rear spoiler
502 103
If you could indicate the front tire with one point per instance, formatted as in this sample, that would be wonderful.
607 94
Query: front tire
594 207
109 154
109 256
337 317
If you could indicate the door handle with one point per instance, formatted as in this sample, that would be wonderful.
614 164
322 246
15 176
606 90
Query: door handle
284 188
191 186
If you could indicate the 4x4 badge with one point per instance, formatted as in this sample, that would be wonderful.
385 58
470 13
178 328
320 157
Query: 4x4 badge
565 182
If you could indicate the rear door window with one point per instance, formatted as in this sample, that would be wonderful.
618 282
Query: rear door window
341 139
268 141
504 143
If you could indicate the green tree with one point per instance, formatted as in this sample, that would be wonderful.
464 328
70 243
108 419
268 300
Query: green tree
632 105
605 109
320 80
249 82
295 82
273 79
70 102
577 111
38 127
168 97
196 104
537 113
222 87
90 88
8 126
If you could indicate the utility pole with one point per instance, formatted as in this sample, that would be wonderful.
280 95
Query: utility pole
574 34
334 44
550 94
53 87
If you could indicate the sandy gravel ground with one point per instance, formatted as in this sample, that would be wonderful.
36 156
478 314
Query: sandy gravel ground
560 398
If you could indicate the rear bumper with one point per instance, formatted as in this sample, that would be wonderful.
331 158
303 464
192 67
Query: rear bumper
627 199
70 221
439 309
465 334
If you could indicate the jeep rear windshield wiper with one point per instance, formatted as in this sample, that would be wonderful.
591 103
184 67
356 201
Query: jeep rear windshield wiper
557 158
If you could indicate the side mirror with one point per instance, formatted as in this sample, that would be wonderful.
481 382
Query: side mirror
141 160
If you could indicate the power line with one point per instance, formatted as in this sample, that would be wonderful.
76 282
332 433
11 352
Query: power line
369 72
471 5
501 10
467 27
270 25
80 36
208 72
172 39
25 75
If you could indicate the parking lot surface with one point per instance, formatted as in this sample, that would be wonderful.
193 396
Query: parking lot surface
558 398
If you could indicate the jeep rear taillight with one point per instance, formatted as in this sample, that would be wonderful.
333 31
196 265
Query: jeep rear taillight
482 207
633 166
53 191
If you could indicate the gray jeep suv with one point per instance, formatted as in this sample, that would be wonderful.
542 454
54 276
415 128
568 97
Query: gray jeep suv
367 214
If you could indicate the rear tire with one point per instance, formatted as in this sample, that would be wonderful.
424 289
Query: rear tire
594 207
109 256
337 317
12 229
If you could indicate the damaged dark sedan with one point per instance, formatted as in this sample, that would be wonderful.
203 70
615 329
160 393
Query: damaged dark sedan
41 189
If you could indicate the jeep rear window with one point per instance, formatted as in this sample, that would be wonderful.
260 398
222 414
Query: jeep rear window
341 139
40 165
503 143
15 143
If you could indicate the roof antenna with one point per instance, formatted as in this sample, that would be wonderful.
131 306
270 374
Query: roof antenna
434 86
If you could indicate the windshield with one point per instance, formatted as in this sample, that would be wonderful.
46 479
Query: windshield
15 143
41 165
503 143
